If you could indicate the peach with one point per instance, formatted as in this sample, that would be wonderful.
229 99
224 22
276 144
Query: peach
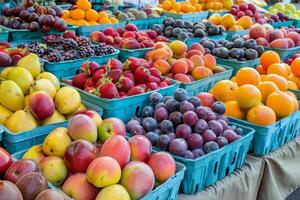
290 42
159 45
148 55
111 31
97 36
131 44
170 75
279 43
295 37
103 171
140 148
82 127
257 31
201 72
92 114
182 78
129 34
194 52
161 53
138 179
77 187
162 65
284 31
275 34
111 126
163 165
189 63
178 47
262 41
218 69
206 98
197 60
118 39
109 40
118 148
209 61
197 46
179 66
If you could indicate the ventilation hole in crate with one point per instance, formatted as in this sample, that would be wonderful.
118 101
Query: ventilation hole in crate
227 171
216 168
197 188
234 158
137 111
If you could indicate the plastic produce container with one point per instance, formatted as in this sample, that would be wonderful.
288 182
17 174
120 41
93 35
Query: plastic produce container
284 53
4 33
207 83
125 108
231 33
210 13
270 138
71 67
192 17
208 169
281 24
87 30
137 53
15 142
147 23
296 23
237 65
190 41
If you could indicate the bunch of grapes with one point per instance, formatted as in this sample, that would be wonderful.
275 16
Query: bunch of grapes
55 48
33 17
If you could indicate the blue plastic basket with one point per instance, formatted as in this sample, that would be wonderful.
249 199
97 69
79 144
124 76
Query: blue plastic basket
210 168
71 67
270 138
4 33
296 92
237 65
64 6
137 53
207 83
147 23
190 41
125 108
191 17
87 30
232 33
284 53
282 24
296 23
210 13
15 142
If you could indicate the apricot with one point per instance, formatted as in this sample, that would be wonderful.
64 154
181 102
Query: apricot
266 88
178 47
232 109
268 58
248 96
261 115
281 82
197 60
201 72
179 66
194 52
281 103
225 90
247 75
209 61
162 65
183 78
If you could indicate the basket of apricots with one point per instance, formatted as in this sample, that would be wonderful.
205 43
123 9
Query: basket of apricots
195 70
260 99
88 19
190 10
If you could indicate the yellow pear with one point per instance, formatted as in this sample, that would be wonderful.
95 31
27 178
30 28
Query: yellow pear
21 121
43 85
4 114
67 100
31 62
5 71
11 96
54 169
34 153
21 77
81 107
55 118
26 101
50 77
57 142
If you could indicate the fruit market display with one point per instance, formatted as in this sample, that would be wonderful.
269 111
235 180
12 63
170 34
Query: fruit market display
127 38
261 99
283 38
10 56
70 159
55 48
181 63
33 17
293 57
285 9
117 79
23 180
229 22
192 6
133 14
182 126
238 49
182 30
83 15
31 98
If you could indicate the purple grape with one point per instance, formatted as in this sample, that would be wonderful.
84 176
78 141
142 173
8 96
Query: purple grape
201 112
163 142
200 126
189 155
138 130
181 94
210 147
195 141
198 153
208 136
190 118
183 131
156 98
186 106
147 111
161 114
149 124
166 126
216 127
195 101
172 105
178 147
222 141
218 107
172 135
176 118
153 137
132 123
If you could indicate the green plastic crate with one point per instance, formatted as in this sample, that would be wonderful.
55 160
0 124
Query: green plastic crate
137 53
282 24
232 33
284 53
192 17
87 30
237 65
207 83
144 24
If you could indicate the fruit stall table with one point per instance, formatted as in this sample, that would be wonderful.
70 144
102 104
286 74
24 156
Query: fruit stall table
274 176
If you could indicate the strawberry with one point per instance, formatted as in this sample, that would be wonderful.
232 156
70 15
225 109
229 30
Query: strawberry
135 90
125 84
89 67
108 90
128 74
115 64
168 81
115 74
91 90
132 63
154 79
141 75
79 80
5 44
122 94
142 85
155 72
89 82
152 86
99 74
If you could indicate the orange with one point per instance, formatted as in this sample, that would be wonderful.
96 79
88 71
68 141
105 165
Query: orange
261 115
292 85
104 21
102 14
225 90
193 2
295 67
281 82
247 75
279 69
185 7
83 4
93 23
266 88
260 69
167 5
66 14
82 22
91 15
248 96
281 103
263 77
233 110
268 58
198 7
176 6
77 14
293 78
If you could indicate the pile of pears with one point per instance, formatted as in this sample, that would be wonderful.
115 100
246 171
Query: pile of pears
26 78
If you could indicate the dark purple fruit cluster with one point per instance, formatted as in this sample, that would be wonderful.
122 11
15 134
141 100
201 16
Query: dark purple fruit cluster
33 17
55 48
180 125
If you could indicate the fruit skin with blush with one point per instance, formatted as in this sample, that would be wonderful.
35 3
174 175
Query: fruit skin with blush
109 127
5 161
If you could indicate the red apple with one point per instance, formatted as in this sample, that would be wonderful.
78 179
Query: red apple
109 127
20 168
5 161
41 105
79 155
